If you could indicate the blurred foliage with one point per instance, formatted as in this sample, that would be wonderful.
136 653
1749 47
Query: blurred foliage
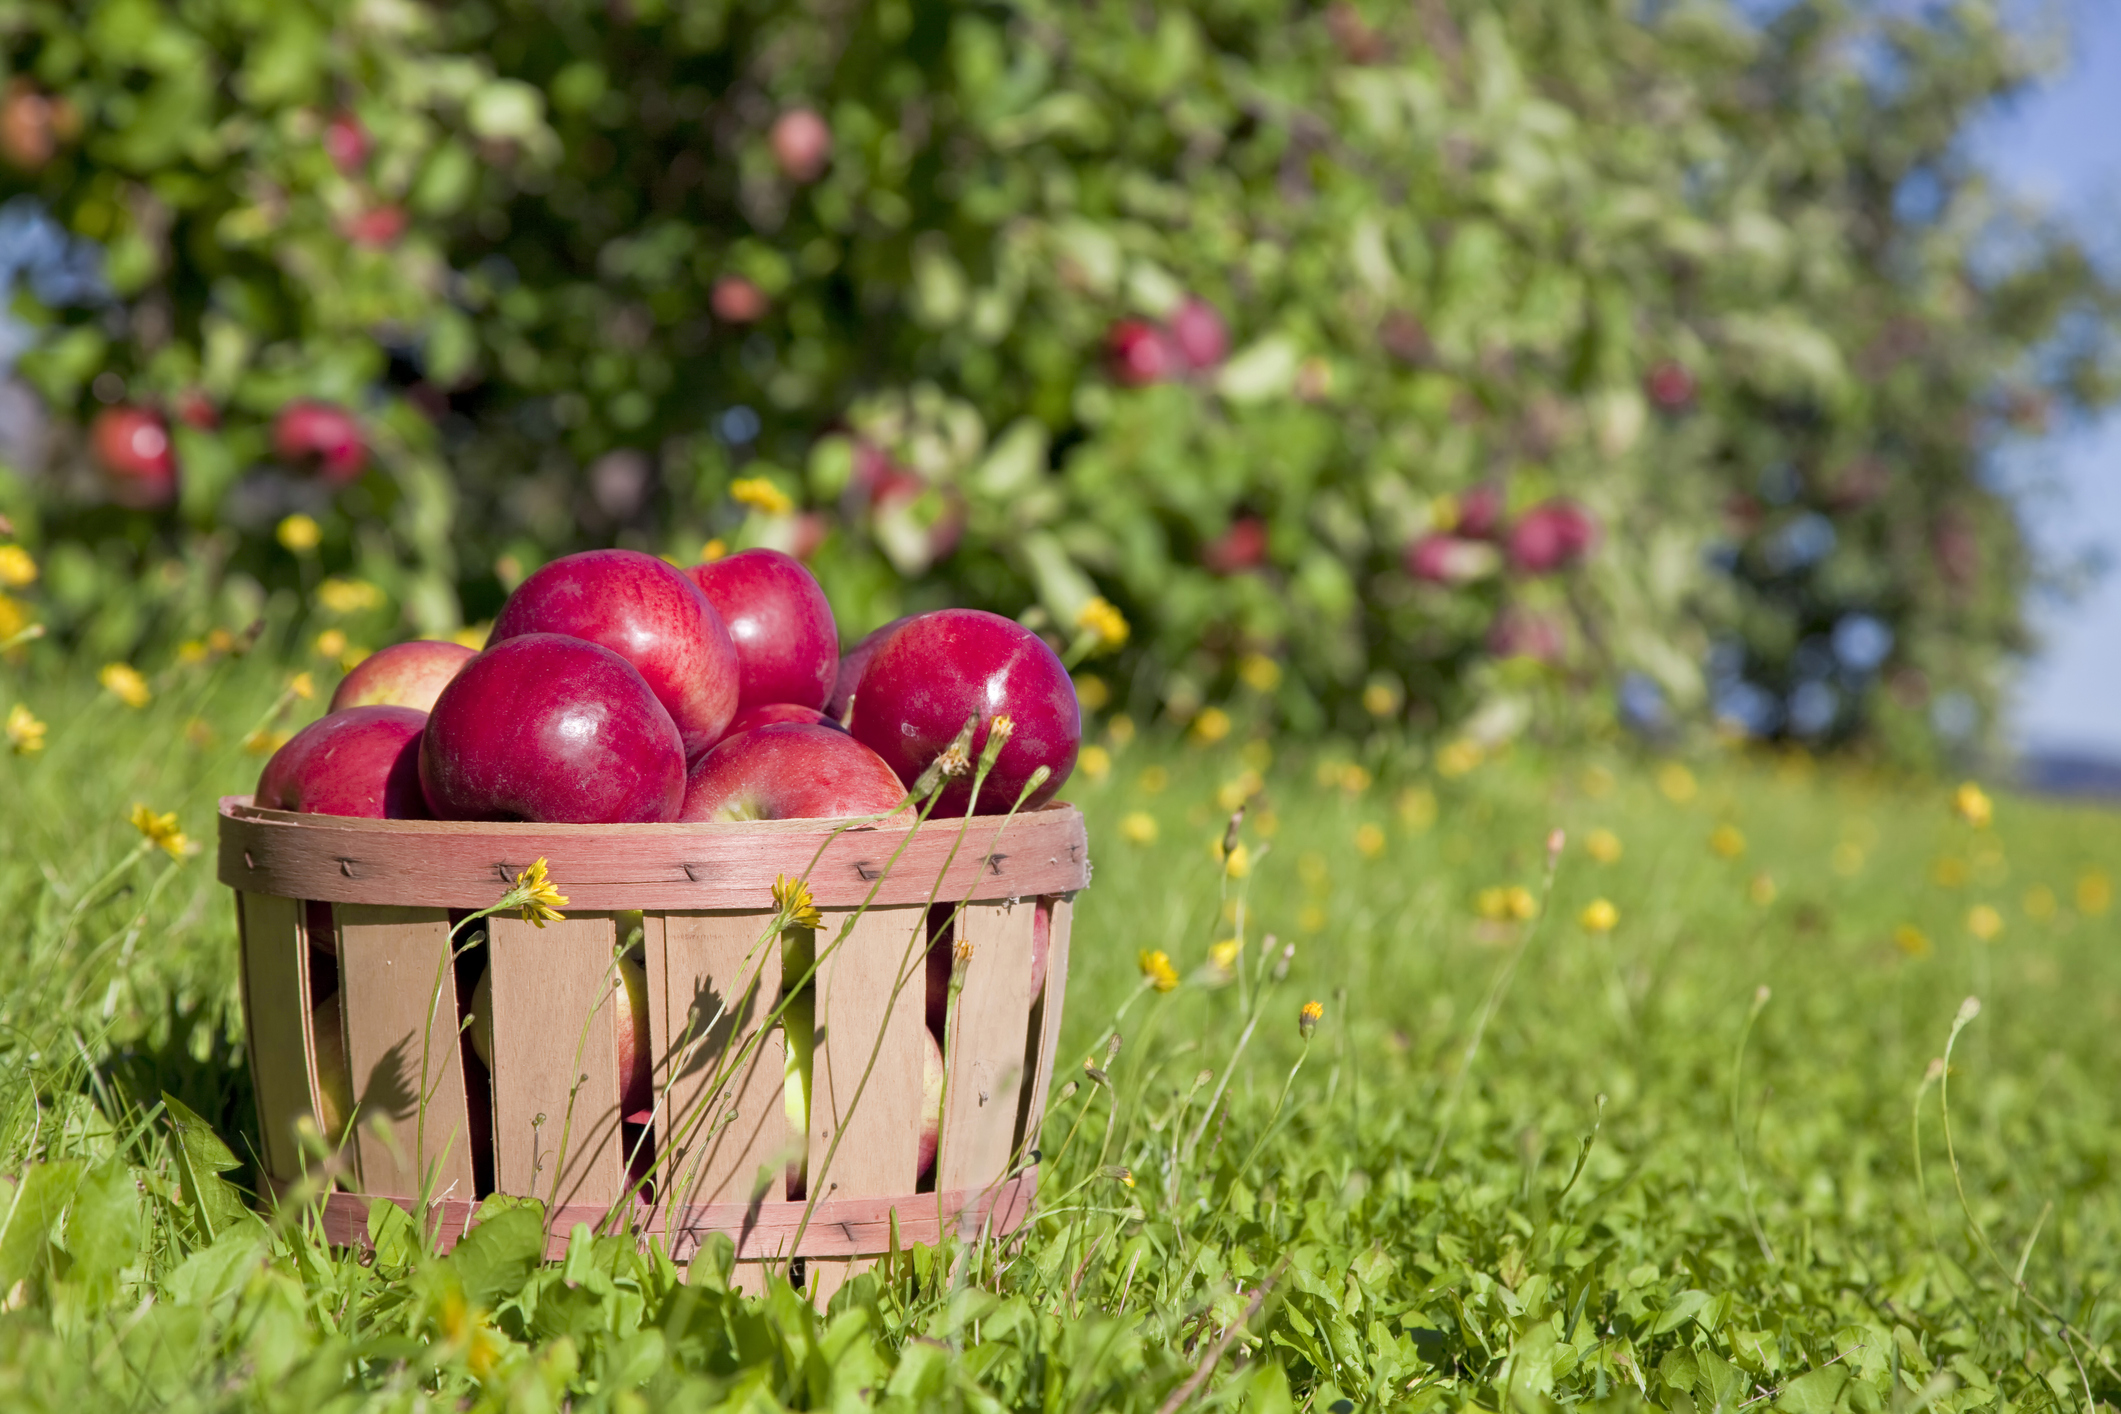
1735 289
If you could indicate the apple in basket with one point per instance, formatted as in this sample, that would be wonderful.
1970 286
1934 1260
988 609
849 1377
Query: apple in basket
790 771
787 647
774 712
550 728
402 675
651 615
636 1071
362 761
941 669
853 661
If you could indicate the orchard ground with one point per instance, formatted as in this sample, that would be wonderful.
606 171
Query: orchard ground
1675 1137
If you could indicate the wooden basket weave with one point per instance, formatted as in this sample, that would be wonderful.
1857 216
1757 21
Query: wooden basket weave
379 895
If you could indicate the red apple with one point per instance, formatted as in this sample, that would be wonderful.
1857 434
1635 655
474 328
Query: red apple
1550 535
1200 336
649 613
735 300
195 409
363 761
636 1064
853 661
1669 385
787 648
321 436
802 144
546 727
134 449
790 771
346 142
772 712
377 227
1480 513
403 675
335 1097
1526 633
1242 547
941 669
1446 559
1139 353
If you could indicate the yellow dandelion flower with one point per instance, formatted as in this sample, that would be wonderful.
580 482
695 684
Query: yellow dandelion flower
1094 762
1520 903
1157 970
539 899
1762 890
1971 804
1138 827
2040 902
349 596
1153 780
1238 863
1259 672
1983 922
1311 919
1602 845
160 830
1728 841
1599 916
1459 758
1092 692
1369 841
330 643
265 741
1106 625
1417 808
302 685
1354 779
17 569
1677 782
1223 956
14 620
1238 789
1492 904
1381 698
193 651
124 682
1308 1017
2095 893
1911 940
299 533
220 640
25 734
791 898
1120 730
1950 872
1211 726
761 495
713 550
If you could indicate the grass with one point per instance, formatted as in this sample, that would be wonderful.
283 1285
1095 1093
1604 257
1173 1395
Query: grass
1704 1160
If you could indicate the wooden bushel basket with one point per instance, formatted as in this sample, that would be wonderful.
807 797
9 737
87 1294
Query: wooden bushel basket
374 898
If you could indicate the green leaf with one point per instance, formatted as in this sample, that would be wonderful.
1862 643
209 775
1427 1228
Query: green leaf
1814 1392
201 1159
500 1252
29 1207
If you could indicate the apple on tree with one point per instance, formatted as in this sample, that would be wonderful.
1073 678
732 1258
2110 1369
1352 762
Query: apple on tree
547 727
321 436
403 675
802 144
133 448
649 613
787 646
1199 334
1139 354
1551 535
954 665
363 761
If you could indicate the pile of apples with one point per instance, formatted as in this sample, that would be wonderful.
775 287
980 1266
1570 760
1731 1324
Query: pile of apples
616 688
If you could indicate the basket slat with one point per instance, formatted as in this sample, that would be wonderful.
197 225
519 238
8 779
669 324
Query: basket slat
276 1009
879 1139
555 1060
706 1001
1046 1023
389 962
984 1058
